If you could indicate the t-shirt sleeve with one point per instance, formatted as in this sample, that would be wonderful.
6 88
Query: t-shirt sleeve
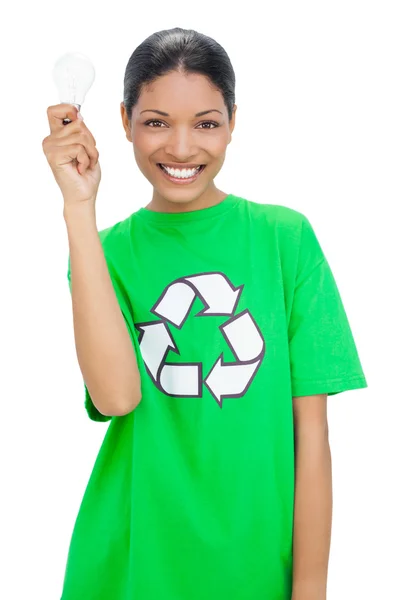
92 411
323 354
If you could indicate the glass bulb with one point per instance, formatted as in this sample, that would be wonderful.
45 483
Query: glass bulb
73 74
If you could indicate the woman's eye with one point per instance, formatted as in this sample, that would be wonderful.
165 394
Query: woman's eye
153 121
209 123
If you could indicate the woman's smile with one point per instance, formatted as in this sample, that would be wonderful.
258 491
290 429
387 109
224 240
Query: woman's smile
183 178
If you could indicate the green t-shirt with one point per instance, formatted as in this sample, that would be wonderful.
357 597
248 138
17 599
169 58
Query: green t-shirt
232 311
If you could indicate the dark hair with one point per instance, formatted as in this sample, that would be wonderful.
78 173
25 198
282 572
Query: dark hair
183 50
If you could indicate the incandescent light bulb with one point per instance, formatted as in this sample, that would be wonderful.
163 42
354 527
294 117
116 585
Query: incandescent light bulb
73 74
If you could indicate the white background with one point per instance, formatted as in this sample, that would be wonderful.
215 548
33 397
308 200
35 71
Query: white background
317 129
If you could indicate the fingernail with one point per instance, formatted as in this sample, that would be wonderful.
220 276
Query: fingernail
80 116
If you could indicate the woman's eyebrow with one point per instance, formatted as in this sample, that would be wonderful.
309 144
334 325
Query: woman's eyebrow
164 114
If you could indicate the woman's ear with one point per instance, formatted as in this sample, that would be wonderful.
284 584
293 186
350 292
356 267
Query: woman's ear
232 122
125 122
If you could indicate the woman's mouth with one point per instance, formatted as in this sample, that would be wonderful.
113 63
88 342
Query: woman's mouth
182 178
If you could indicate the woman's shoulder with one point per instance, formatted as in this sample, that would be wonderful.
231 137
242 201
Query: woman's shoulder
277 213
113 233
114 240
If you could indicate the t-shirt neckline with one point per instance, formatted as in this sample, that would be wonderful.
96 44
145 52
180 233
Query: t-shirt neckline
193 215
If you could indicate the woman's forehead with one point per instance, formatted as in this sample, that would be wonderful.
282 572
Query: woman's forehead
177 92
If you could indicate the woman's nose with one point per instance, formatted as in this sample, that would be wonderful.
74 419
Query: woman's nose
181 143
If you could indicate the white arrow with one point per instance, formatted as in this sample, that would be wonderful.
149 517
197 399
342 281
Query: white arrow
216 292
231 379
181 379
154 345
244 336
176 303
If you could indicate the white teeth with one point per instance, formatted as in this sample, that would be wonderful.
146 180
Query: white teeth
181 173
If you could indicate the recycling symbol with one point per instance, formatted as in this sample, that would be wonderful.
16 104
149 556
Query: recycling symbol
219 297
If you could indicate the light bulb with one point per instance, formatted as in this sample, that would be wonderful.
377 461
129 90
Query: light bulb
73 74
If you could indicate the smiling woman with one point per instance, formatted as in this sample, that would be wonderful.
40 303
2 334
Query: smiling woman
182 76
239 333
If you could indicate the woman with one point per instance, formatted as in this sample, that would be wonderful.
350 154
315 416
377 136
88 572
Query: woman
239 335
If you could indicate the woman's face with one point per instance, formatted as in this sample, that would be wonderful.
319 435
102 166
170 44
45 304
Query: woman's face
179 137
